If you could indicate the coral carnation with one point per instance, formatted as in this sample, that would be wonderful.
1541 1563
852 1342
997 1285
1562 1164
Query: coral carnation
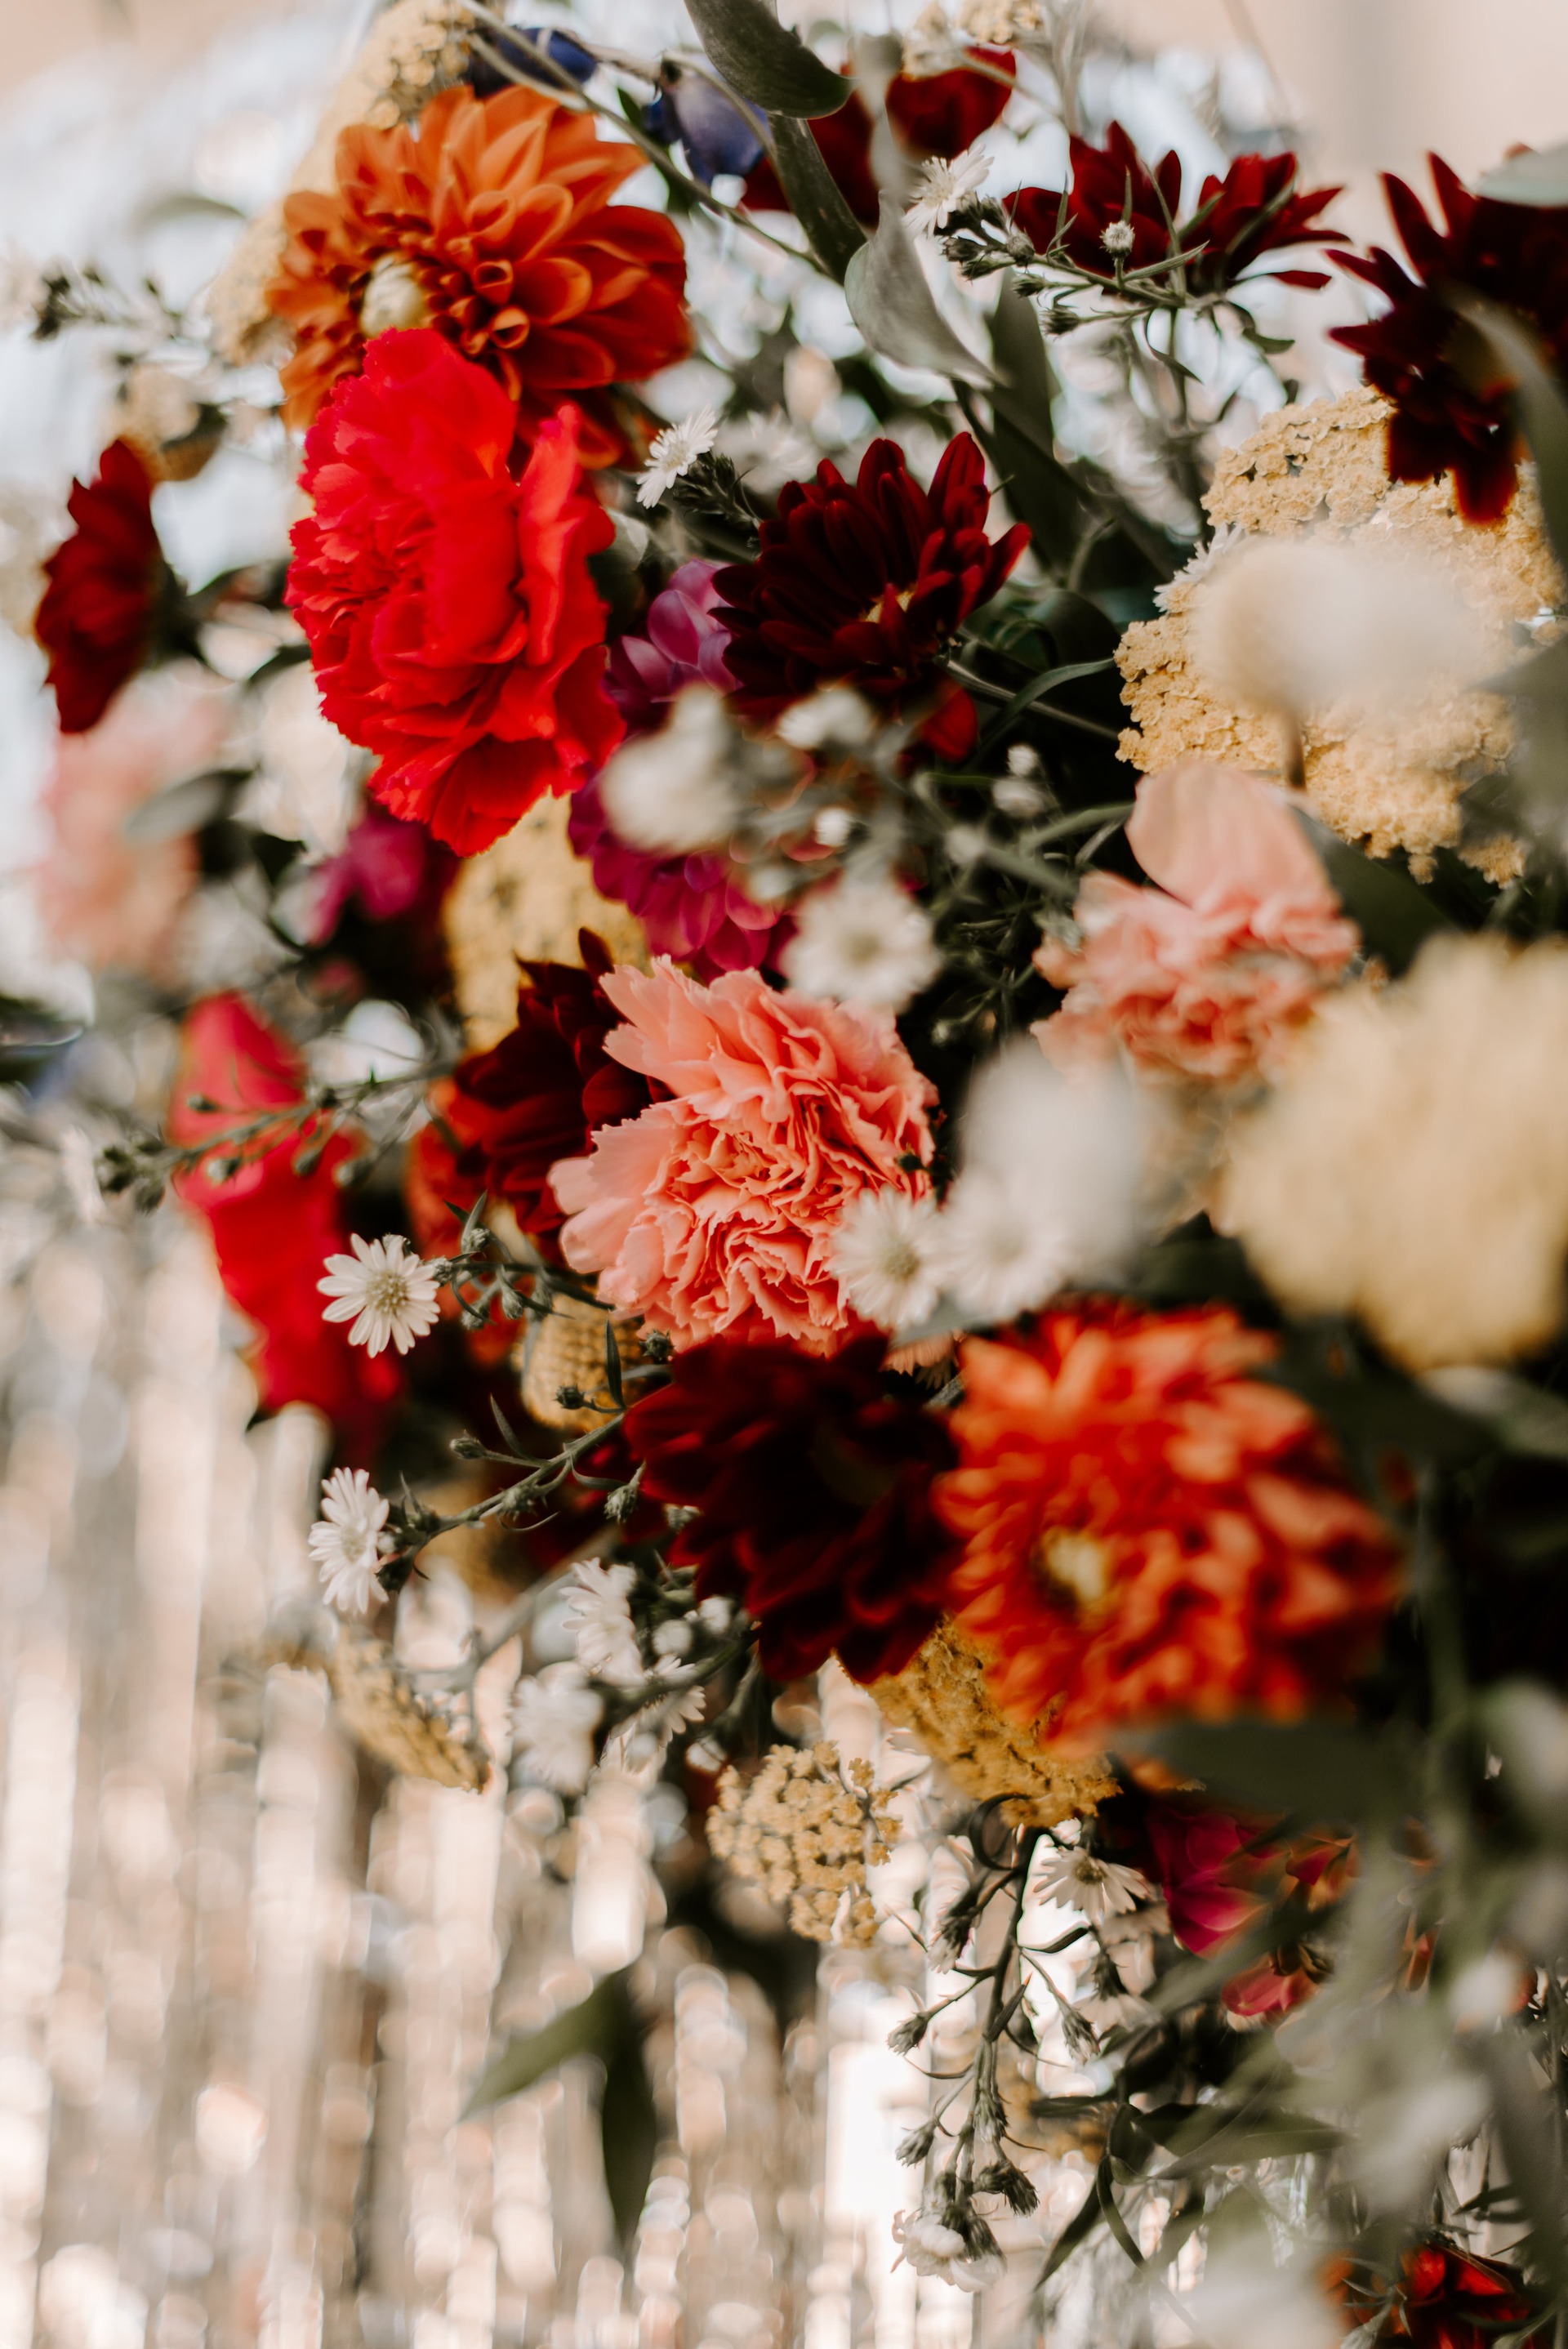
716 1210
1151 1529
491 220
96 618
814 1492
866 580
1208 974
452 621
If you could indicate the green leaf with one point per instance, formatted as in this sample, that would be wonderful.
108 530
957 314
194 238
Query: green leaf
1522 2103
895 309
1320 1771
766 64
835 235
1039 487
1542 410
595 2027
629 2128
1538 176
1394 917
1078 2229
1523 1417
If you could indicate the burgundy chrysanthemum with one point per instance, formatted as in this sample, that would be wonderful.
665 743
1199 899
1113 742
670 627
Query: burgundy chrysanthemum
1452 406
814 1488
96 616
867 581
1253 210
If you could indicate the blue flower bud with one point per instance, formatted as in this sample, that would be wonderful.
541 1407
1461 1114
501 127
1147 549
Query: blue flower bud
485 79
720 133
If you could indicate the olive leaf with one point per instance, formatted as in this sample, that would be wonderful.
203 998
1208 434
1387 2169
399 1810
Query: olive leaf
835 235
895 309
765 63
593 2028
1394 917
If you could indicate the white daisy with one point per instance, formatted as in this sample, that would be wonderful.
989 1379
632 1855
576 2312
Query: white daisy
554 1715
885 1254
1097 1888
998 1249
836 715
599 1620
675 452
945 186
933 2248
861 941
347 1544
389 1296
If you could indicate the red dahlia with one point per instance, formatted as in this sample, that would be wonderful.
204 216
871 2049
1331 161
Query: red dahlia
866 580
453 623
814 1488
96 618
1444 2299
1453 409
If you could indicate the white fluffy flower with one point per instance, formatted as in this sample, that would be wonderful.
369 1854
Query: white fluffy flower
838 714
945 186
675 452
885 1254
1052 1165
599 1621
346 1542
934 2249
671 792
861 941
554 1715
384 1289
1119 237
1243 2299
1096 1888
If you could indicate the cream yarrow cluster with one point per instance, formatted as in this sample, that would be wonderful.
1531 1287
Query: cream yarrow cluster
806 1828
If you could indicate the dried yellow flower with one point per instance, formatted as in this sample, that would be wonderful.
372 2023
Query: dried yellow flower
805 1830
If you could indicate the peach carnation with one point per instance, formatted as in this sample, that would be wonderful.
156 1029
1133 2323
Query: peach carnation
715 1211
1208 974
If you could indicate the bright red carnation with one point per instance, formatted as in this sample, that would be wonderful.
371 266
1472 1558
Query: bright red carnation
452 620
1453 410
271 1229
814 1489
95 620
868 581
1444 2299
1151 1529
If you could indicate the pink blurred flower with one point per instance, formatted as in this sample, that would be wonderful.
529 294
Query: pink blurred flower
684 645
382 865
1221 1876
1207 973
715 1211
106 898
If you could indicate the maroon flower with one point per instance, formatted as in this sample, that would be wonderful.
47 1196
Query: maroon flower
940 114
1452 406
1444 2299
814 1488
1253 210
96 618
867 581
844 140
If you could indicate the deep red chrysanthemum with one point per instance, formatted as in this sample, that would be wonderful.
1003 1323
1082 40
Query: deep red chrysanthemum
1152 1529
1444 2298
96 618
453 623
1253 210
814 1488
272 1229
1453 411
866 580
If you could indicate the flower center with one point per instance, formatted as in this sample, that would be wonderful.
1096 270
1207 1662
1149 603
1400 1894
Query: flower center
393 297
1077 1568
901 1261
388 1292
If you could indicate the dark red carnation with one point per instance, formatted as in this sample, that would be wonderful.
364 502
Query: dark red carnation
868 581
844 140
94 621
814 1488
1253 210
942 114
1442 2298
453 623
1453 407
272 1229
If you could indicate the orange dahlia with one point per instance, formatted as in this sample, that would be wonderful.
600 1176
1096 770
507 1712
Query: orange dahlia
491 220
1149 1529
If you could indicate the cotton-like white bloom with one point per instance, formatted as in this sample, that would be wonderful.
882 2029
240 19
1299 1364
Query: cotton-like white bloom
673 1638
933 2248
1485 1991
885 1254
598 1620
945 186
675 452
347 1544
384 1291
861 940
716 1614
931 45
21 288
836 715
1048 1190
672 792
1244 2301
1096 1888
554 1715
1119 237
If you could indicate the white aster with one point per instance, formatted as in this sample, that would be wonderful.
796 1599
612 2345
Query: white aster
1119 237
945 186
673 793
554 1715
599 1621
384 1291
885 1254
861 941
934 2249
675 452
347 1544
1096 1888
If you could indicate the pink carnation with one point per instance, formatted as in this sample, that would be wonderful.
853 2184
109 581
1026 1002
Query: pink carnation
1207 973
714 1212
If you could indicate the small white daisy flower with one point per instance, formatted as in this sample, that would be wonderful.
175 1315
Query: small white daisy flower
945 186
861 941
675 452
1096 1888
346 1542
1119 237
599 1620
554 1715
885 1254
1000 1250
389 1296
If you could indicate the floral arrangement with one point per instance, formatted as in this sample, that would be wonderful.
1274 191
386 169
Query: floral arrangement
924 1049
